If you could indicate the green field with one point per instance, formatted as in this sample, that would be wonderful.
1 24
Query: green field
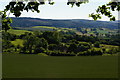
36 66
44 27
18 42
18 32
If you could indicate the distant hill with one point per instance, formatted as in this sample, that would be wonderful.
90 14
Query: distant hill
67 23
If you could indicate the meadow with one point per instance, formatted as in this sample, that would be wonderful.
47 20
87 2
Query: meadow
18 32
36 66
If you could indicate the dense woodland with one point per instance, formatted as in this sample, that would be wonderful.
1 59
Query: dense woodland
54 43
67 23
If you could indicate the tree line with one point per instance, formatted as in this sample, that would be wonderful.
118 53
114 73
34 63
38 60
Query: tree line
54 43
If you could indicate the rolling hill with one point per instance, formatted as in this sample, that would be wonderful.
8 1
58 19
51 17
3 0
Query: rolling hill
67 23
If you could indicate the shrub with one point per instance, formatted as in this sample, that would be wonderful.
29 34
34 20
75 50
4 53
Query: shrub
91 52
58 53
42 54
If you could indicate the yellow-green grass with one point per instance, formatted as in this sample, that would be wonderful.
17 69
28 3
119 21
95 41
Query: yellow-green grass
18 42
58 29
18 32
44 27
108 46
79 33
42 54
37 66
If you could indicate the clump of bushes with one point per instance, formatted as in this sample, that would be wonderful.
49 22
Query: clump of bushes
59 53
91 52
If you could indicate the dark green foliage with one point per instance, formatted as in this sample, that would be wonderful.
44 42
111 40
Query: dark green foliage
52 37
41 45
39 50
113 51
77 3
53 43
6 23
8 36
83 46
91 39
33 44
77 46
6 45
29 43
72 47
91 52
114 40
58 53
106 10
97 44
18 7
33 6
53 47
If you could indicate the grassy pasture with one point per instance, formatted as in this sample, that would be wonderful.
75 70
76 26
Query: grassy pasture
18 42
17 32
44 27
36 66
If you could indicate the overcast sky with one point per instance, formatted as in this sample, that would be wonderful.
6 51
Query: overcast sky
60 10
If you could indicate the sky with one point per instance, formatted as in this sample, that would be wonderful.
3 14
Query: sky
60 10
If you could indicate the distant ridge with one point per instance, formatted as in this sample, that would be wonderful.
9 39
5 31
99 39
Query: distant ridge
67 23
